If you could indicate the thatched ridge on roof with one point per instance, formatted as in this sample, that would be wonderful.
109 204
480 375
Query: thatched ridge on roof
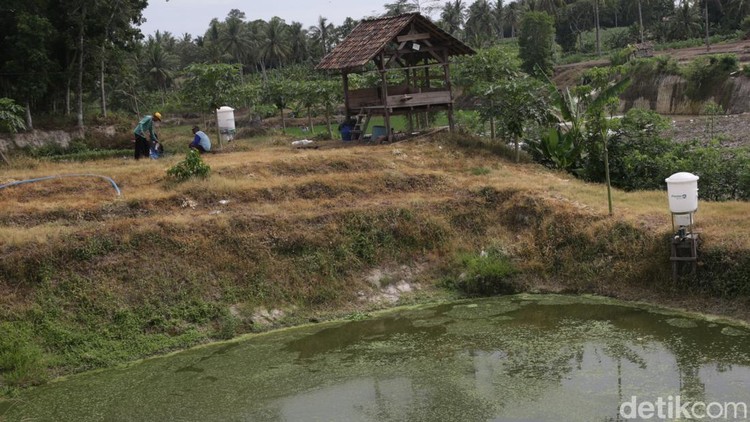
370 37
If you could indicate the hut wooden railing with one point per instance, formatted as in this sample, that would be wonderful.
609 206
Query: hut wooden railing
398 97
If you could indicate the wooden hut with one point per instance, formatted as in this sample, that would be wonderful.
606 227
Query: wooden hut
410 44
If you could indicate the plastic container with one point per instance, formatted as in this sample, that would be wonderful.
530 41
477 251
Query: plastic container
682 189
378 131
225 117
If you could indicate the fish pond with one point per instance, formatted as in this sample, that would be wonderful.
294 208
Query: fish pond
514 358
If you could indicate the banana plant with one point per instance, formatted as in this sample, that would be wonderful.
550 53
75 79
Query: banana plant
562 149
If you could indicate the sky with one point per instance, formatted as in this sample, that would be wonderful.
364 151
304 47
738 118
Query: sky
193 16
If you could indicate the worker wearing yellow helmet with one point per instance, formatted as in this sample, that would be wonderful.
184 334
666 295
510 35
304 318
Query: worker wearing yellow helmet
145 135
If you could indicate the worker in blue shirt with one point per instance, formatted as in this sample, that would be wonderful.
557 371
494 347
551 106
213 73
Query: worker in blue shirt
201 143
145 129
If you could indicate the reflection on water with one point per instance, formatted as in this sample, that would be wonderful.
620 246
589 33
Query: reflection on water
506 359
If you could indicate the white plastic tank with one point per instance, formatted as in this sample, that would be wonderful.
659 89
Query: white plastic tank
225 117
682 189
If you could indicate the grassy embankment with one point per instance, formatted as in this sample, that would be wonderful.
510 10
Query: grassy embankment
89 280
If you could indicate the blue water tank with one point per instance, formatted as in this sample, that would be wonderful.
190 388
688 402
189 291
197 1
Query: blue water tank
378 131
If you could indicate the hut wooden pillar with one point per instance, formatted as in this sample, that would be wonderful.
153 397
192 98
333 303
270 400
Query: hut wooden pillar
345 77
386 110
409 114
449 87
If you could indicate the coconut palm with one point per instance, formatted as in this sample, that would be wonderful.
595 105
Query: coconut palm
233 39
399 7
479 24
452 16
686 21
298 47
513 14
275 46
498 15
321 34
159 64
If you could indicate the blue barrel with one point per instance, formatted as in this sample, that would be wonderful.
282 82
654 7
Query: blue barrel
378 131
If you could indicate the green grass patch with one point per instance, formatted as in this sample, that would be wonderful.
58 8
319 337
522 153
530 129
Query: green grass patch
482 274
480 171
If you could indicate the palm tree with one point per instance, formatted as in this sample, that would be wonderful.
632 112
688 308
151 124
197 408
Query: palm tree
550 6
513 14
234 39
479 23
686 22
211 42
346 27
452 16
738 10
399 7
298 47
275 45
321 34
498 14
159 65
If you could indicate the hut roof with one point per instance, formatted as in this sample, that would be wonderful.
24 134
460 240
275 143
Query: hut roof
370 37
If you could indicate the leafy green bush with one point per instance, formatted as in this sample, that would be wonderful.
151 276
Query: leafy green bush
11 119
487 273
21 361
557 149
640 158
192 166
622 55
651 67
619 38
706 72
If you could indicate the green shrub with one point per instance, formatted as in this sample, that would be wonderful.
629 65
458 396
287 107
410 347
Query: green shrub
619 38
745 27
11 116
622 55
652 67
480 171
21 360
704 73
470 122
486 273
192 166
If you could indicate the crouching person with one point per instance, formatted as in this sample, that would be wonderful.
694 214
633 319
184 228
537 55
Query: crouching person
201 142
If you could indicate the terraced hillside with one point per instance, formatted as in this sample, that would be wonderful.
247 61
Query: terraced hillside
279 236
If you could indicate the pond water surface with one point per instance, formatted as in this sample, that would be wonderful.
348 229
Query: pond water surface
518 358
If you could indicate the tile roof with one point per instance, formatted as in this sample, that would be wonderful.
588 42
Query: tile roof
370 37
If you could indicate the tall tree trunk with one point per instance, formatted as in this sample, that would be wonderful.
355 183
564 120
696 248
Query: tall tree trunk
310 126
67 95
640 19
606 172
29 121
283 121
596 20
101 86
79 87
708 41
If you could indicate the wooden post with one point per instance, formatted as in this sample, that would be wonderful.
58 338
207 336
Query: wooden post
425 115
345 77
386 111
449 87
409 83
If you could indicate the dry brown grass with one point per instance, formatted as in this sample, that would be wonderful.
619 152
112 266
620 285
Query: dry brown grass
297 229
288 183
